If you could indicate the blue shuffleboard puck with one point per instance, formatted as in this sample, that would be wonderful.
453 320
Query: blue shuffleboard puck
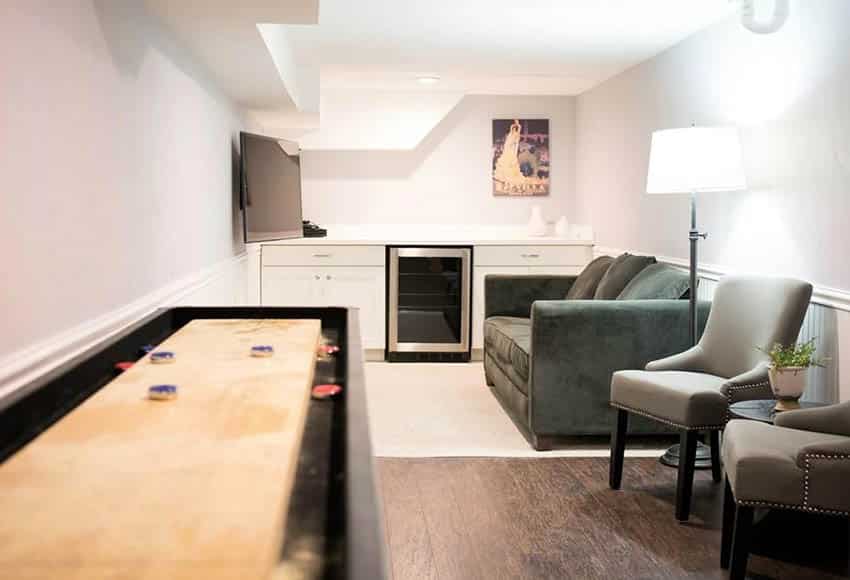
262 350
163 357
162 392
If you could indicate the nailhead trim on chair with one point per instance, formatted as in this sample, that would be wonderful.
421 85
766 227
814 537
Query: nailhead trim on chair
805 505
667 421
733 389
802 508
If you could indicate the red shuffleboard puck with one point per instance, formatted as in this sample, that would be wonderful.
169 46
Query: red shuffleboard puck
123 366
326 391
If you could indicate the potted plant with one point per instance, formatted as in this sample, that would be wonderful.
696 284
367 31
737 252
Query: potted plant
789 372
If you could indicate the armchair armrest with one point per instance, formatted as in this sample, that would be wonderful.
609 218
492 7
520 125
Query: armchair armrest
507 295
827 468
689 360
837 449
834 419
576 345
753 384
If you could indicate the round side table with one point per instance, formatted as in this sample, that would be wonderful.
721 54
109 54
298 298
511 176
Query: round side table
763 409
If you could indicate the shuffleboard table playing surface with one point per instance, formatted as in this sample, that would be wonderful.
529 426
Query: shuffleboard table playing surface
196 487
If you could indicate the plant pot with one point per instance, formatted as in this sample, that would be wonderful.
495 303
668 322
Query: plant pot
788 384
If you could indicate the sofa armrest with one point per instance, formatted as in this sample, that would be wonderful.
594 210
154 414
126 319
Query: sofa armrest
834 419
576 345
507 295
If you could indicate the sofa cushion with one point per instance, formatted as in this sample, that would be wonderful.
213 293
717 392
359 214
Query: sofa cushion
508 340
619 274
657 282
585 285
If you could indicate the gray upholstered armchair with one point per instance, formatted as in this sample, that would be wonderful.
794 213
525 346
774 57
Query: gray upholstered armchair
800 463
692 391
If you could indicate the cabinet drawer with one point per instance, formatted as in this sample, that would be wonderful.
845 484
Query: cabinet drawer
323 255
532 255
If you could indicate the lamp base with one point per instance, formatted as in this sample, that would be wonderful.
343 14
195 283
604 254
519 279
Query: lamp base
703 459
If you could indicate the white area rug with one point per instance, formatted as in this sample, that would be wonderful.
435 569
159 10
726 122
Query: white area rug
447 410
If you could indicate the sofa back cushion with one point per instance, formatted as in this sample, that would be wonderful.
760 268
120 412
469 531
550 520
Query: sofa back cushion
585 285
619 274
657 282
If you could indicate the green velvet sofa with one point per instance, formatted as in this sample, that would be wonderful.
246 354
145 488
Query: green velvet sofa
548 359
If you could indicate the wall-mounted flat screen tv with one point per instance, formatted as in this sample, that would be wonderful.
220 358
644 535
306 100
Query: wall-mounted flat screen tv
271 188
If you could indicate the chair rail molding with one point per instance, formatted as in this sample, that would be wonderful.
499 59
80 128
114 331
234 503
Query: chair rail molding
24 365
822 295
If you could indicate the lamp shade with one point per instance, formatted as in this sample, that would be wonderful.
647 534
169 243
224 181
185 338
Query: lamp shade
695 159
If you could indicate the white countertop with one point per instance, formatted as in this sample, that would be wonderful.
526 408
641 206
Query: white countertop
383 235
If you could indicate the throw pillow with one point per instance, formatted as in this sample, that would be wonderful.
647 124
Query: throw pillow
657 282
585 285
620 273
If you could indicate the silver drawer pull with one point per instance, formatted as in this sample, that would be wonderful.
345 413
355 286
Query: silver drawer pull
531 255
321 255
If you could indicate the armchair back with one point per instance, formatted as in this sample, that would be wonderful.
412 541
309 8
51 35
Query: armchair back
751 313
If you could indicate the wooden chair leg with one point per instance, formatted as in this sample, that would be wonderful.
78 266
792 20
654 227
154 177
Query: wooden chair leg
618 449
685 484
729 506
716 467
741 542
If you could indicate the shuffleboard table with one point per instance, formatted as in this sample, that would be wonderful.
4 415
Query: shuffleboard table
241 476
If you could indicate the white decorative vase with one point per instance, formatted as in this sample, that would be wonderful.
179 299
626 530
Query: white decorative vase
536 223
788 384
562 227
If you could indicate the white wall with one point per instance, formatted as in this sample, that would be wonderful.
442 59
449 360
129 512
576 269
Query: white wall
116 161
446 178
789 93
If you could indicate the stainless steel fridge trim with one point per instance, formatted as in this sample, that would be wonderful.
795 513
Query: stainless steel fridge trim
393 345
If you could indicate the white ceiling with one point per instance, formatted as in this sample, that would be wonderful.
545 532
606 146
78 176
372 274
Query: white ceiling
530 46
284 58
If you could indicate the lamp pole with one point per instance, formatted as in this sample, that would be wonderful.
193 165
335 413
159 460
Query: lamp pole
703 456
694 236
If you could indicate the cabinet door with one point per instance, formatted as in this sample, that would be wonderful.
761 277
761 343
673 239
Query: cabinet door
292 286
361 287
478 274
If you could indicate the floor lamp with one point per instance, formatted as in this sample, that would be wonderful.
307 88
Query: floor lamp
690 161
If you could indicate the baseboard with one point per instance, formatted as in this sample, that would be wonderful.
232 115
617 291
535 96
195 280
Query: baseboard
24 365
823 295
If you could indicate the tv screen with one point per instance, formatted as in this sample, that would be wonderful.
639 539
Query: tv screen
271 188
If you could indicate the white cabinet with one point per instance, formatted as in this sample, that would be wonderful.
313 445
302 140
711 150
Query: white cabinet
363 287
354 275
292 286
333 281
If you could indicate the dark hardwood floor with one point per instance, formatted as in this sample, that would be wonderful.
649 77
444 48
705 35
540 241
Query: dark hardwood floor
493 518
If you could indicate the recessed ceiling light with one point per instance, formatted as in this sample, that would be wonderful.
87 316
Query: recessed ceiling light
428 80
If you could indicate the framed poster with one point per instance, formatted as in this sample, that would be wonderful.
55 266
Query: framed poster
520 157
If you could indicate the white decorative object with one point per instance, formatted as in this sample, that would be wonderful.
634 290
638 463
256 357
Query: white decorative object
536 223
777 18
562 227
788 384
